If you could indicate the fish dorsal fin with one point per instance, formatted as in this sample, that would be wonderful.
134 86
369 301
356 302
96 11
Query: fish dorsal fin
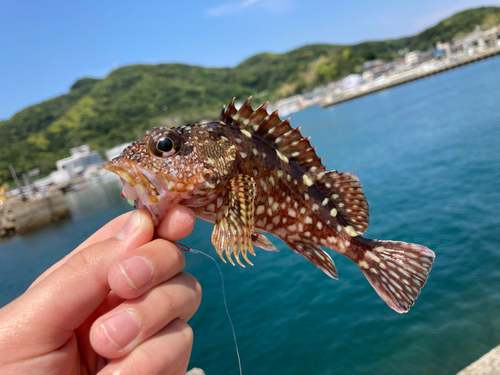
343 189
288 141
346 193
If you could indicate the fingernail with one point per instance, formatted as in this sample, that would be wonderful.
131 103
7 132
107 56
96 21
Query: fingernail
130 226
137 270
121 328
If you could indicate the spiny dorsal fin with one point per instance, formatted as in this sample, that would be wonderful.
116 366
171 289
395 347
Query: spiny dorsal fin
227 113
288 141
343 189
346 193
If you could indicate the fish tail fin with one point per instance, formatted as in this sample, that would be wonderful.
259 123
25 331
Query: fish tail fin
396 270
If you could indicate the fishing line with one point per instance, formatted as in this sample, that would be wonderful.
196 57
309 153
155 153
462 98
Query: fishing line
194 251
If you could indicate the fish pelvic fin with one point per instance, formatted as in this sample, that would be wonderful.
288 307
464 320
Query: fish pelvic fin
317 256
259 240
396 270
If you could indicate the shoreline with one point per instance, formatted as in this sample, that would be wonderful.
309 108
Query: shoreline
411 76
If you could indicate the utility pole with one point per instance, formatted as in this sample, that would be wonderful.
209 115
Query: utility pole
28 187
14 175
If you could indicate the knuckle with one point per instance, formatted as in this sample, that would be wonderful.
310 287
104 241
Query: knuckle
177 256
83 260
172 253
188 334
184 330
167 301
88 261
192 283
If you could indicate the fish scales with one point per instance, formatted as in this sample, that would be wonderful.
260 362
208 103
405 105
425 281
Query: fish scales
252 173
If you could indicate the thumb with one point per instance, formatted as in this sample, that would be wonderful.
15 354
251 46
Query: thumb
48 313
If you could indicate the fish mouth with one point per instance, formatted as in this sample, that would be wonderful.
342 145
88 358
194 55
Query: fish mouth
146 193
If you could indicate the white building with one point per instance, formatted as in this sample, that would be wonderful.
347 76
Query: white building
68 168
352 81
411 58
471 41
367 76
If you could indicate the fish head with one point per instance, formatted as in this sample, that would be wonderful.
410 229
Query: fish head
168 166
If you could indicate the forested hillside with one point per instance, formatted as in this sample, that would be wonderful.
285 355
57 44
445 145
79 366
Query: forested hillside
118 108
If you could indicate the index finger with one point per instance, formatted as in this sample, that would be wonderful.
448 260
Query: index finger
107 231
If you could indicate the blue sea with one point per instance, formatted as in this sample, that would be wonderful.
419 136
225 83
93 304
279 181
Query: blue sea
428 156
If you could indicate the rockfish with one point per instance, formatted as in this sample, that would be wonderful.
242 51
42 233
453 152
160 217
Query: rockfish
251 173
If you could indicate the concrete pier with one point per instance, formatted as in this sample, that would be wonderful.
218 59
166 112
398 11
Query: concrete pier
409 76
17 216
488 364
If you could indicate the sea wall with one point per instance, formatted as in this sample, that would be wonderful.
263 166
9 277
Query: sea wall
488 364
19 216
410 76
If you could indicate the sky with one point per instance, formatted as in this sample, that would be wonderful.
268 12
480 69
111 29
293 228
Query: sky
45 46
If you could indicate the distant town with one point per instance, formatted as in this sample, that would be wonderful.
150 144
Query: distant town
376 75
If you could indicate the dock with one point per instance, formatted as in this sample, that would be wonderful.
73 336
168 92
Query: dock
488 364
17 216
409 76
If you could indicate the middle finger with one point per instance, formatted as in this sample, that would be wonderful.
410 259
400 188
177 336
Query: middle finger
122 329
145 267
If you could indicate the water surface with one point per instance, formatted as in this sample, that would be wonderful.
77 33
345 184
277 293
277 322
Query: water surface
427 154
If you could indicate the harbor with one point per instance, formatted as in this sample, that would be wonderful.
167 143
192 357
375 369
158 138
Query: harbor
377 75
406 77
43 201
426 163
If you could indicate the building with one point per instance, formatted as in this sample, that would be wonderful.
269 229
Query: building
367 76
81 158
492 34
73 166
412 58
471 41
367 65
444 47
352 81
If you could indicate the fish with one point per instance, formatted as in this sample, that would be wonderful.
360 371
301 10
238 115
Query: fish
251 173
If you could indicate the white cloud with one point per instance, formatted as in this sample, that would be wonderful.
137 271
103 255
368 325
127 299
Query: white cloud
273 6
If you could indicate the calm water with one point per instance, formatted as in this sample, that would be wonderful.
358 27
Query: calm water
428 155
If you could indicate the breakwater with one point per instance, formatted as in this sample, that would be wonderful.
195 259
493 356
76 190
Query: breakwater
18 216
408 76
488 364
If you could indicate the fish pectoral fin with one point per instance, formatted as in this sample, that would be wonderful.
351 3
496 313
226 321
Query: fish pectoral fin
317 256
259 240
234 224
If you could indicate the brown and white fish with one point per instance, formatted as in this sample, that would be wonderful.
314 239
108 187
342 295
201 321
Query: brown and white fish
250 173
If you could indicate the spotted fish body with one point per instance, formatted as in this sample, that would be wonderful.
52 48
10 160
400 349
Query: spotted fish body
251 173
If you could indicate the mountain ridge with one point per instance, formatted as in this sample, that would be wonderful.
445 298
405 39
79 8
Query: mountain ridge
108 111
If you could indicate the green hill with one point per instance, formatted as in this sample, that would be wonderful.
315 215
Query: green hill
118 108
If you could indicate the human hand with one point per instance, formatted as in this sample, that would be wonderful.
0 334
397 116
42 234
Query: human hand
118 303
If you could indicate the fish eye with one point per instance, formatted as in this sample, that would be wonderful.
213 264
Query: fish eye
164 143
